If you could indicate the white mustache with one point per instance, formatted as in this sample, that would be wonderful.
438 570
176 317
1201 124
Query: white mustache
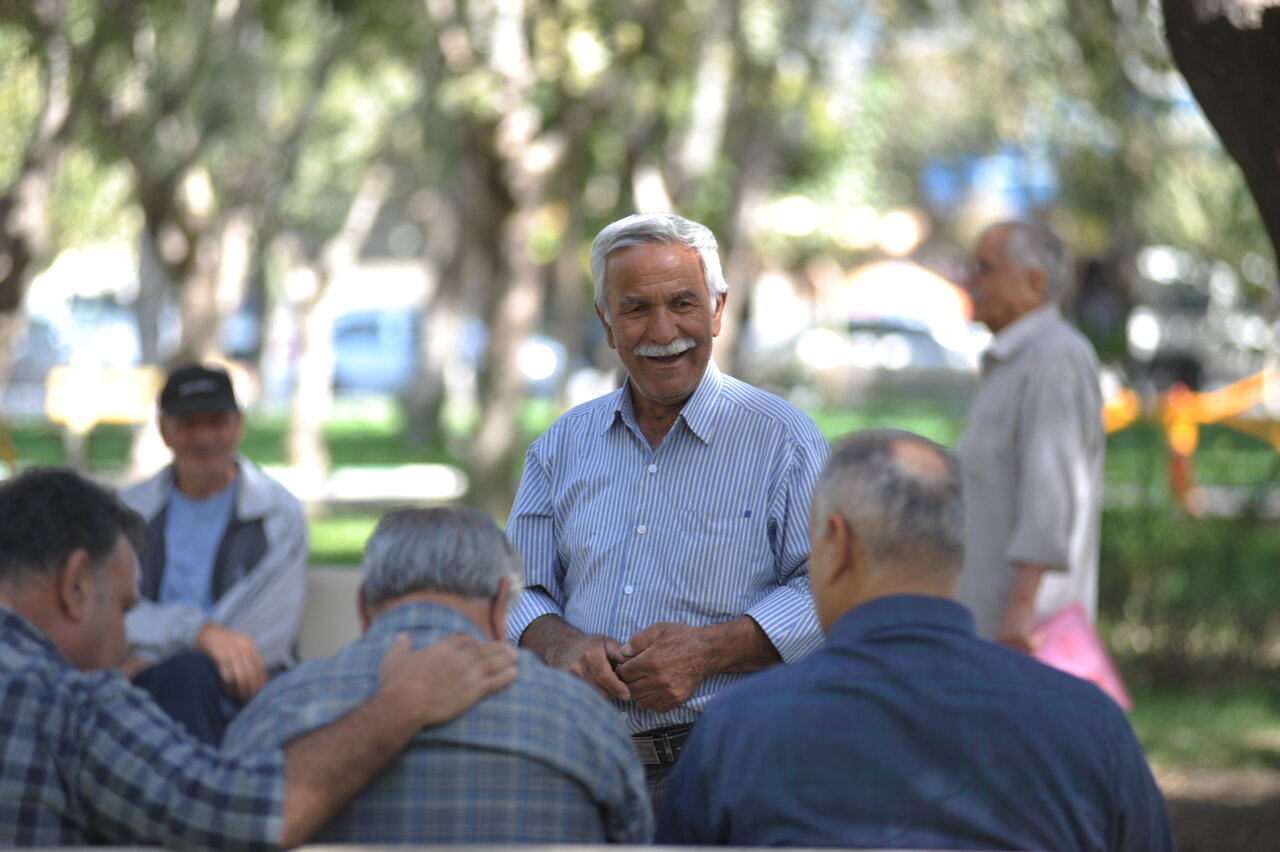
675 347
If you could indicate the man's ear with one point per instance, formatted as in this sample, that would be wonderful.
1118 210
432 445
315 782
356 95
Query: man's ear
1038 283
718 313
362 611
843 542
498 611
608 329
74 585
163 426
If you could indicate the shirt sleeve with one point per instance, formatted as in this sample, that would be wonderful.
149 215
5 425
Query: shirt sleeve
787 615
266 603
1142 823
1059 424
686 812
629 813
156 630
531 531
139 778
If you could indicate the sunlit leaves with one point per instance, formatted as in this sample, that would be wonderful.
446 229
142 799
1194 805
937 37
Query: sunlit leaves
20 89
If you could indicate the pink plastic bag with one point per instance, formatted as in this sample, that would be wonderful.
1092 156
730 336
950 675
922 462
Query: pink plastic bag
1070 643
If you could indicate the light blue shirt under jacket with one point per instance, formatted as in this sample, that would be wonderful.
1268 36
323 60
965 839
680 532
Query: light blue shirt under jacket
192 530
710 526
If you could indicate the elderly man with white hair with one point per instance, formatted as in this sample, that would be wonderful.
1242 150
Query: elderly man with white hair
1032 447
543 761
905 730
662 526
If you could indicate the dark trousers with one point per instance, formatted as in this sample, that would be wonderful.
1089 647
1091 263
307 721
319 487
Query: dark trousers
655 779
187 687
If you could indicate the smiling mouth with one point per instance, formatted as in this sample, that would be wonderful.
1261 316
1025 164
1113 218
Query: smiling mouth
667 353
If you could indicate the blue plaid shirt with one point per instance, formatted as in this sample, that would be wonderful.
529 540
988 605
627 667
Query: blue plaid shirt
542 761
87 758
712 525
906 731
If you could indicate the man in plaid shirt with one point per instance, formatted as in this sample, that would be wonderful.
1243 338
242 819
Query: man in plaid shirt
87 758
544 761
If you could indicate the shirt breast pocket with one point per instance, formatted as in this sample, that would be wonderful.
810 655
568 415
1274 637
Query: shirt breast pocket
717 562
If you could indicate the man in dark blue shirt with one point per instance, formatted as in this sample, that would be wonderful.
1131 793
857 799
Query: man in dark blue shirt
906 730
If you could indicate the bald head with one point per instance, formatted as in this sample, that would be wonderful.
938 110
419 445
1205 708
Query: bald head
899 495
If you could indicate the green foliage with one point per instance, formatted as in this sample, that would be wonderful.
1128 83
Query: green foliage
19 99
1228 725
1199 590
337 538
91 201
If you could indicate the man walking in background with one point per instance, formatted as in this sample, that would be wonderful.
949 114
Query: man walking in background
223 570
1033 442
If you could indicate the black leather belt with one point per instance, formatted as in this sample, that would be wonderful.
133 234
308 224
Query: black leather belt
661 745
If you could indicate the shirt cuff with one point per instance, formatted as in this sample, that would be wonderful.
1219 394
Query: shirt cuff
788 618
1037 550
187 625
534 603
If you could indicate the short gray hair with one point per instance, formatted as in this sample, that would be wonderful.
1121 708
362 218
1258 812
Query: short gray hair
906 508
1037 246
657 228
438 549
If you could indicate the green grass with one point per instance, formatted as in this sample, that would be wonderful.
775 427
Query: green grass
338 538
1236 726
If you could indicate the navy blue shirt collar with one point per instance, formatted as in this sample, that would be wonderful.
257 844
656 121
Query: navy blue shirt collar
884 615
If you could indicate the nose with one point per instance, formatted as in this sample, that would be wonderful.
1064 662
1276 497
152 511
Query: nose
662 326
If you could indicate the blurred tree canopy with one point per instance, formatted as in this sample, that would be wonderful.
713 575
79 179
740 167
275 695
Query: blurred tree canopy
254 151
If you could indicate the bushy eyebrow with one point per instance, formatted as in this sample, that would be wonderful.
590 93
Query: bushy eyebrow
628 300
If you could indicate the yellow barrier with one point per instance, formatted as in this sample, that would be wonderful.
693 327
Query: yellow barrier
81 395
1181 411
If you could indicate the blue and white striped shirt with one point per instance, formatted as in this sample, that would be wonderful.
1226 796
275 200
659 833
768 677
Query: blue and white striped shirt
712 525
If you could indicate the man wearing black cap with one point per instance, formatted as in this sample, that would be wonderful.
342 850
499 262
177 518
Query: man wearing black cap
223 572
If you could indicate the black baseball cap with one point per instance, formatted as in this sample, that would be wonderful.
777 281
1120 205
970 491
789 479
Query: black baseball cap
197 388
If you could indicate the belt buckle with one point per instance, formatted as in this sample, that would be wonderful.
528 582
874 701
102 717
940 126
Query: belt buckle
655 748
647 751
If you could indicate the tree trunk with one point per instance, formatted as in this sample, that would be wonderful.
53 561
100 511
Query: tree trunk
513 309
23 236
439 339
1229 51
312 397
24 233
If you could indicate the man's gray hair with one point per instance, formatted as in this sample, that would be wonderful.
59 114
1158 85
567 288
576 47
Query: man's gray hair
1037 246
438 549
900 494
660 228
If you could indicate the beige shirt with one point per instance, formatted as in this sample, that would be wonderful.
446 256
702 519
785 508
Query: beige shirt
1031 454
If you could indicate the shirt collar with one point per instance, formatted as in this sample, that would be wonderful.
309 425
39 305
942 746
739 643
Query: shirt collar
698 412
1018 334
12 622
910 611
423 615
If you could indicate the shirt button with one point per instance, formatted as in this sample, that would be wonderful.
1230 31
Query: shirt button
628 588
653 468
642 529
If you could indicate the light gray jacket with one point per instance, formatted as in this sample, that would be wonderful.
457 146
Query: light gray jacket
259 576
